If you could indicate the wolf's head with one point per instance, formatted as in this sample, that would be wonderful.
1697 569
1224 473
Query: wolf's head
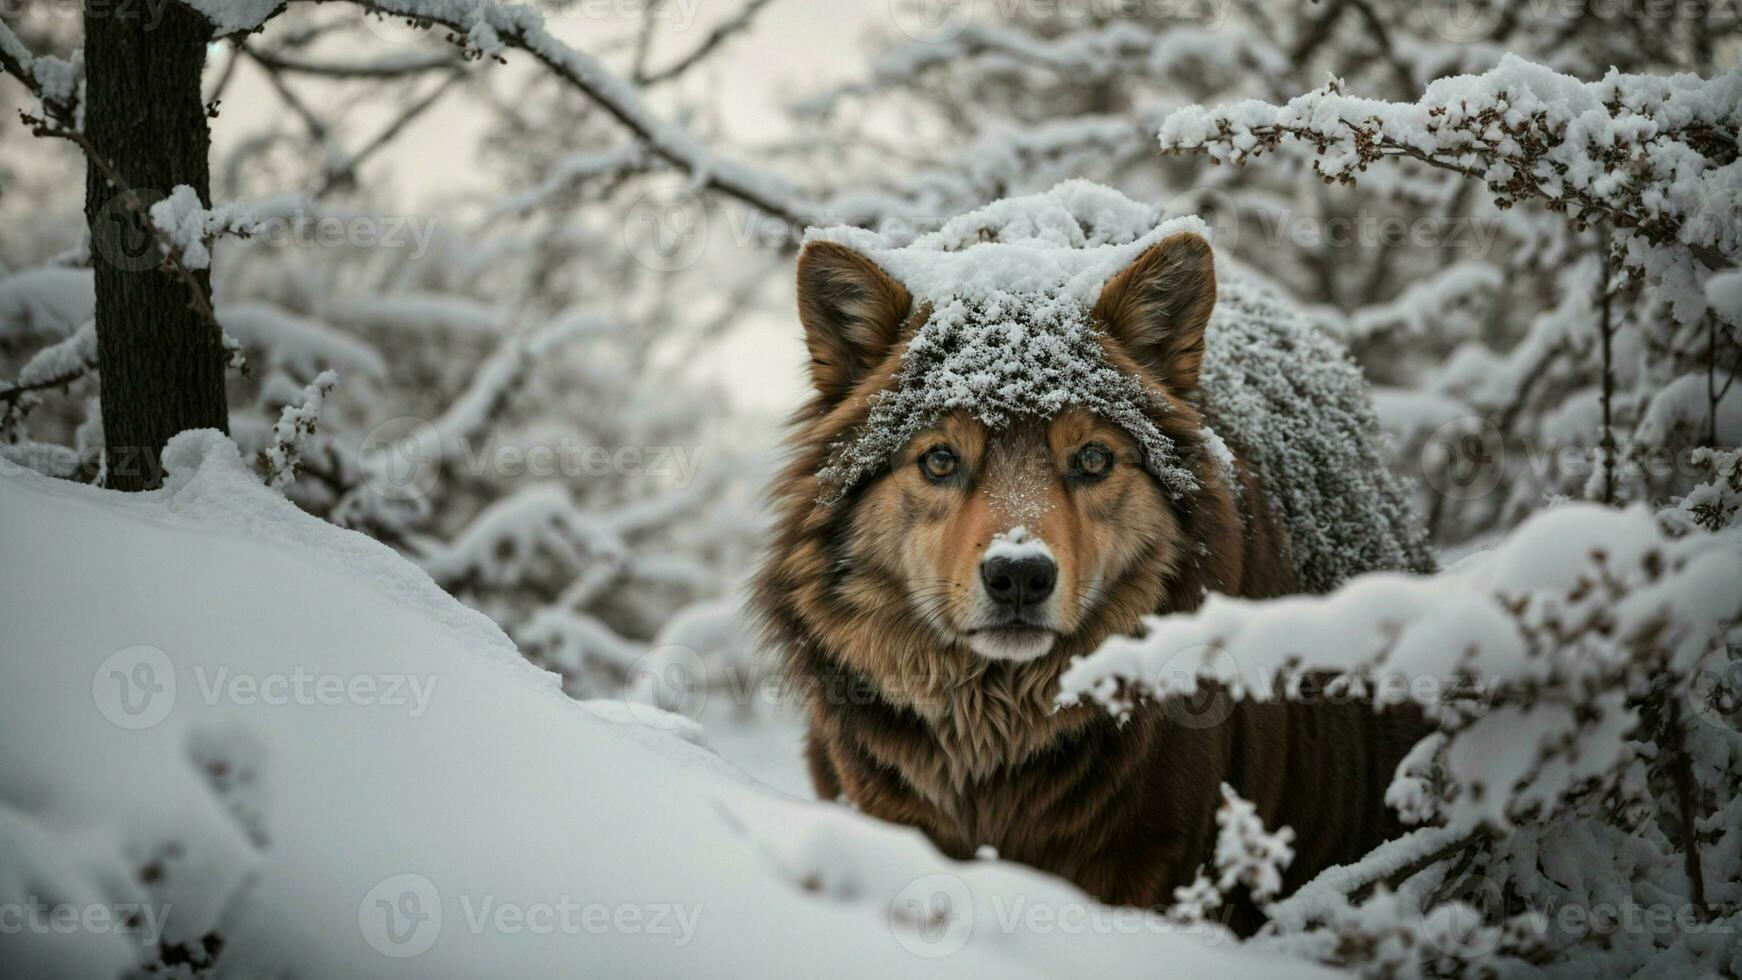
1012 486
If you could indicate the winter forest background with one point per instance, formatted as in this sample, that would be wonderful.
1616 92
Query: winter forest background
508 289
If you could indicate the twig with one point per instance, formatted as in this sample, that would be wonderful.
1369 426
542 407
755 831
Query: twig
348 172
385 68
1606 328
715 38
1686 801
130 199
63 113
668 141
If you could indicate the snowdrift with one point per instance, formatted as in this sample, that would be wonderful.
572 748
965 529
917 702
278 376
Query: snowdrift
241 740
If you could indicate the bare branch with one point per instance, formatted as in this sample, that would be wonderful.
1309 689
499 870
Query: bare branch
414 64
719 35
510 27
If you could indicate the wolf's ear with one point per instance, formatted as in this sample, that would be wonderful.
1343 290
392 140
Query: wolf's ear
1157 308
852 313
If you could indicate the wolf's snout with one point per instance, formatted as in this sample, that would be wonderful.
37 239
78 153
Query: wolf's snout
1018 582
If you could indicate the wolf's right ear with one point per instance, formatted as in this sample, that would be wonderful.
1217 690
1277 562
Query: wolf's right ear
1158 307
852 313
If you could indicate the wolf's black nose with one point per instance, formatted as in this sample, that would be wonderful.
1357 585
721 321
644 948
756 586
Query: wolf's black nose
1017 582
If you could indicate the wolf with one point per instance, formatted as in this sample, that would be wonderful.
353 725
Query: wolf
1029 429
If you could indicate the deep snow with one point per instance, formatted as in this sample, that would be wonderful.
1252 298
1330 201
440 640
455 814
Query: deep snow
313 752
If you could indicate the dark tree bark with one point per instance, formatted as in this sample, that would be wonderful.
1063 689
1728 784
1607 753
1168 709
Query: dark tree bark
160 357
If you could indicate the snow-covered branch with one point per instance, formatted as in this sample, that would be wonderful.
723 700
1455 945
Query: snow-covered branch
1528 659
489 28
1650 154
290 434
58 84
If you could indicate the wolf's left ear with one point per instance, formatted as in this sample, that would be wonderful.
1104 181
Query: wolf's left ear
1157 308
852 313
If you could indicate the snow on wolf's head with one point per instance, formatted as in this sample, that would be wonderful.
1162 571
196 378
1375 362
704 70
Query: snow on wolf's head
1002 459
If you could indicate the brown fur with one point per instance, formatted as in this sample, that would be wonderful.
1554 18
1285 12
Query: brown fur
867 600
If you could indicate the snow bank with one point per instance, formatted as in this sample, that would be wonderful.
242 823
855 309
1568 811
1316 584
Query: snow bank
301 757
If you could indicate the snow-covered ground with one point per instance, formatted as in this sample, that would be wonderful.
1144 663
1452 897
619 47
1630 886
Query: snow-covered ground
280 746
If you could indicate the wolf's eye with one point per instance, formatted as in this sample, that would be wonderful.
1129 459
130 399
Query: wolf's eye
1092 461
938 463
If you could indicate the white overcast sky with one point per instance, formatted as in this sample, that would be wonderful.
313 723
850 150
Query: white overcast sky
793 47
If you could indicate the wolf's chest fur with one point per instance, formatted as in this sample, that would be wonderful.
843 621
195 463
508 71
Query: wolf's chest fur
1126 810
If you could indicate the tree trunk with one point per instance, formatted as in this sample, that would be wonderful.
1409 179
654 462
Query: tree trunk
160 359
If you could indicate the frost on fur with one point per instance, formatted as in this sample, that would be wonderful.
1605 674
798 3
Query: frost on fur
1009 336
1001 362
